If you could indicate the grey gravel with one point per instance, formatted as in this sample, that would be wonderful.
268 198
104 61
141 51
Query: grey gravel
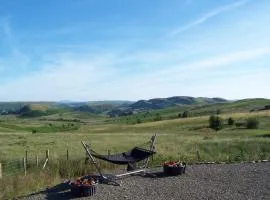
215 181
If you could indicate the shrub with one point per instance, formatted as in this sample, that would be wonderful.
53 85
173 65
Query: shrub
34 131
252 123
230 121
185 114
239 124
157 117
218 111
215 122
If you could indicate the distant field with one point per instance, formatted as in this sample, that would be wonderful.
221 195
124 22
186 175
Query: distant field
177 138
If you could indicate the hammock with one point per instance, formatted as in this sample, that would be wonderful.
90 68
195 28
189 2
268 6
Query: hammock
130 158
134 155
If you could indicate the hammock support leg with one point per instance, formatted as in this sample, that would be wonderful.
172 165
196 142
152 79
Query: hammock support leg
102 178
152 147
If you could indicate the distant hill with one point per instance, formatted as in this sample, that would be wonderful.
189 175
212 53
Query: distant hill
160 103
36 109
130 116
23 107
169 107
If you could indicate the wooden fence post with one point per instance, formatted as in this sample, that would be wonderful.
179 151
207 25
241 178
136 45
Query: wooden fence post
24 165
26 157
47 154
47 158
1 171
67 154
86 158
37 160
198 155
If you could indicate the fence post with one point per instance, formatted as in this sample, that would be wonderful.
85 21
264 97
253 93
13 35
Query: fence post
109 152
47 159
47 154
37 160
67 154
1 171
24 165
26 157
198 155
86 158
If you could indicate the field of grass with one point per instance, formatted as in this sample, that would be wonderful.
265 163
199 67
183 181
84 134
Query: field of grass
177 139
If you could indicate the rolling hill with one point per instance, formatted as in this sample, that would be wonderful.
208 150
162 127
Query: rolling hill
169 107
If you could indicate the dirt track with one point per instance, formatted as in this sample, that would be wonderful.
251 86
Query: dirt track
228 181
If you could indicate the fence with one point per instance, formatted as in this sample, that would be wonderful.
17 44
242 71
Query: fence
27 163
22 165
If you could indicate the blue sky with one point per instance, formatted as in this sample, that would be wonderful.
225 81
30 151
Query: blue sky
130 50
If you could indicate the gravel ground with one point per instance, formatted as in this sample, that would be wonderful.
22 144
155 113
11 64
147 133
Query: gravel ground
215 181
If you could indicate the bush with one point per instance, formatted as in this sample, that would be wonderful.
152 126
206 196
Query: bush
157 117
215 122
240 124
185 114
230 121
252 123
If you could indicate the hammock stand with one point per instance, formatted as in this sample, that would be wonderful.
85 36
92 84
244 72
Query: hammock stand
129 158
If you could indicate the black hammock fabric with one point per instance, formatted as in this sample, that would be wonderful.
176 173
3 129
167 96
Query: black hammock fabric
134 155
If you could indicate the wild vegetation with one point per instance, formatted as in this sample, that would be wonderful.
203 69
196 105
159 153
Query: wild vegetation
244 135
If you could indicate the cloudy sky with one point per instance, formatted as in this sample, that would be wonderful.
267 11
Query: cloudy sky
133 49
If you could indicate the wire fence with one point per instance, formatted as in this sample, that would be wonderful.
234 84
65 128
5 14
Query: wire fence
20 166
66 163
30 162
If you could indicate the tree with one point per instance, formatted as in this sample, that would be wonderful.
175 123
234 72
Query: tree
215 122
230 121
218 111
252 123
139 121
158 117
185 114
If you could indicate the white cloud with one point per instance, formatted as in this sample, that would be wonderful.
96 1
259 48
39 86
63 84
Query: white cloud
15 55
67 79
103 77
226 59
209 15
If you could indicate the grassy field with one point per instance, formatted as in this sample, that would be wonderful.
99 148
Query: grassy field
177 139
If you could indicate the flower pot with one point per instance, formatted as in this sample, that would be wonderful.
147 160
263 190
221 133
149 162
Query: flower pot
174 170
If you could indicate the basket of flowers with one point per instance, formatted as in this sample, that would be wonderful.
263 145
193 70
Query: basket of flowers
84 186
172 168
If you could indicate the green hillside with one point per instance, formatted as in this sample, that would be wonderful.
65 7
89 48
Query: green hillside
246 105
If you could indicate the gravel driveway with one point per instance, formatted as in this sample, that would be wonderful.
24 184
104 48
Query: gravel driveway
216 181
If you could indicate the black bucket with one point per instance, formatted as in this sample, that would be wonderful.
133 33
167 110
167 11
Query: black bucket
174 170
84 190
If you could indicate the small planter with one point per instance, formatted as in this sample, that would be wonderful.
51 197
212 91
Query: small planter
174 168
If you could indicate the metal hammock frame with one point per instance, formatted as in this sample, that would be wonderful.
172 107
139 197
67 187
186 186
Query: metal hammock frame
122 158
